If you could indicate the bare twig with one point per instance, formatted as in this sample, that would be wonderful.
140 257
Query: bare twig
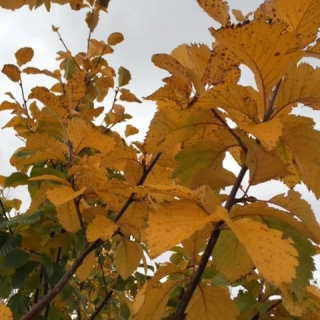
65 46
90 29
23 97
269 110
99 308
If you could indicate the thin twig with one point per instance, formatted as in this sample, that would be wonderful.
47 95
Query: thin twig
90 29
65 46
241 144
87 248
269 110
99 308
140 182
23 97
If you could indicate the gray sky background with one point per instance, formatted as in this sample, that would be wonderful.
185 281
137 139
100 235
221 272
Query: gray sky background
148 26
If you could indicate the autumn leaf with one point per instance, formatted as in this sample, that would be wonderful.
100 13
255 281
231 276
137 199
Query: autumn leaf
61 194
267 60
100 227
24 55
5 312
126 95
92 19
206 304
67 215
85 269
216 9
84 135
184 216
130 130
12 72
127 257
115 38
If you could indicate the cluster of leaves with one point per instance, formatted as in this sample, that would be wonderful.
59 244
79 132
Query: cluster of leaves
99 206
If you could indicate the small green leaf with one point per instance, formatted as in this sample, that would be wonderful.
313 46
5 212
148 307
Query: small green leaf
124 76
16 179
69 68
20 274
48 264
8 243
18 303
15 259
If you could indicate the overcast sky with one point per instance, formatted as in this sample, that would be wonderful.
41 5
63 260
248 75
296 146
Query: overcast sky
148 26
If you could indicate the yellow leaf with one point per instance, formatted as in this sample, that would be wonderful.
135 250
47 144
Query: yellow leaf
184 217
274 257
155 302
302 16
130 130
100 228
239 16
98 48
207 197
263 165
67 216
75 90
84 135
12 72
92 18
5 312
267 133
284 153
216 9
115 38
167 62
50 177
301 209
126 95
268 59
127 257
236 100
304 141
134 220
211 303
300 84
84 270
39 197
24 55
50 100
61 194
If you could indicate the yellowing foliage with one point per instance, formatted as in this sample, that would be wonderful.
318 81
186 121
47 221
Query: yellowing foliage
100 205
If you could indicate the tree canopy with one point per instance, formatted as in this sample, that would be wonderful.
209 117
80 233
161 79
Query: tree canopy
101 207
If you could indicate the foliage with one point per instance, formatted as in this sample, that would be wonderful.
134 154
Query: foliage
99 206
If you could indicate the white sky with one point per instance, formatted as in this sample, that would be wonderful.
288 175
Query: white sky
148 26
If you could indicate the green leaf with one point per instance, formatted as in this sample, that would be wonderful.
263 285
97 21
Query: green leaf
32 219
69 68
7 243
20 274
124 76
15 259
48 264
5 287
16 179
18 303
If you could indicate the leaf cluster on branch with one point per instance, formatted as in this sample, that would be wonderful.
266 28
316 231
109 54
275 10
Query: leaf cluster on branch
100 206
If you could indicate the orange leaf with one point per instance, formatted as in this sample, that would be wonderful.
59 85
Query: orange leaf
24 55
12 72
115 38
61 194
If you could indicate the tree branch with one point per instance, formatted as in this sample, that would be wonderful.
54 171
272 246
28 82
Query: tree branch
99 308
62 282
196 276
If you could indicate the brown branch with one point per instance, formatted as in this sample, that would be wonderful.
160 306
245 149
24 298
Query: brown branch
65 46
140 182
87 248
196 276
101 305
23 97
269 110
